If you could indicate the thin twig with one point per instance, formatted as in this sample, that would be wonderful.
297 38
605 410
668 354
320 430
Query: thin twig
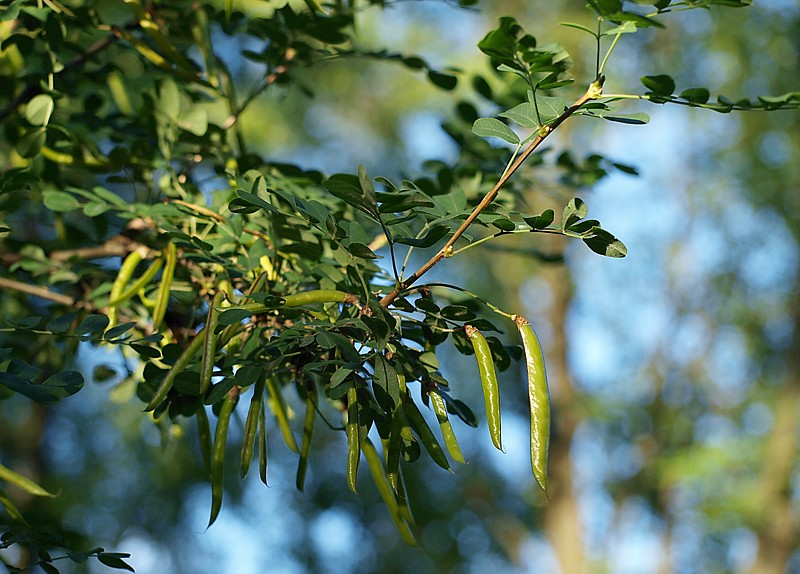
117 246
37 291
594 91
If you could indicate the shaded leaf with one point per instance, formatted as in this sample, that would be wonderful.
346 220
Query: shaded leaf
492 127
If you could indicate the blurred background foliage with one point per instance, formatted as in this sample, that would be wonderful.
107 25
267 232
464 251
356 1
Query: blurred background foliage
674 372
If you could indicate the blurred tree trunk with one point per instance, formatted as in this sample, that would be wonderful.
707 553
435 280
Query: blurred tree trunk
777 533
562 519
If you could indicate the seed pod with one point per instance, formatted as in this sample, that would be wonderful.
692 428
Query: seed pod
210 343
308 433
178 367
262 444
386 492
491 392
539 399
424 433
251 426
353 438
218 452
162 297
444 423
123 278
204 436
281 412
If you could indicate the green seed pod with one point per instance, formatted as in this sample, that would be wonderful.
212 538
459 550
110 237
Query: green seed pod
539 399
162 297
444 423
218 452
123 278
353 438
251 427
491 392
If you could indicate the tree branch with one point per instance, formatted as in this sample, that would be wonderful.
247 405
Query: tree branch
38 291
594 91
117 246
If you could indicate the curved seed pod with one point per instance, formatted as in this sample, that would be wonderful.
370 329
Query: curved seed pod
491 391
123 278
204 436
353 442
308 432
278 406
425 433
162 298
444 423
385 490
218 452
210 343
539 399
179 366
262 444
251 426
139 284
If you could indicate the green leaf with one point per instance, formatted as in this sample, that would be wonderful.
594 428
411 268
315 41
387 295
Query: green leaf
550 107
695 95
231 316
8 475
637 119
540 221
443 81
62 201
492 127
91 325
579 27
39 109
636 19
95 208
625 28
194 121
169 99
575 210
30 144
660 85
114 561
118 331
255 201
504 224
524 114
57 387
362 251
501 43
602 242
60 324
431 238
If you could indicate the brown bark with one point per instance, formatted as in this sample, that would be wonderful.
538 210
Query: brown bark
562 522
777 529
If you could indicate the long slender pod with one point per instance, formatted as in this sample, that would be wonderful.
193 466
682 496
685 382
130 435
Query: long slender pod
491 390
251 426
539 398
385 490
281 412
450 441
308 433
353 439
210 343
218 452
123 278
162 298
